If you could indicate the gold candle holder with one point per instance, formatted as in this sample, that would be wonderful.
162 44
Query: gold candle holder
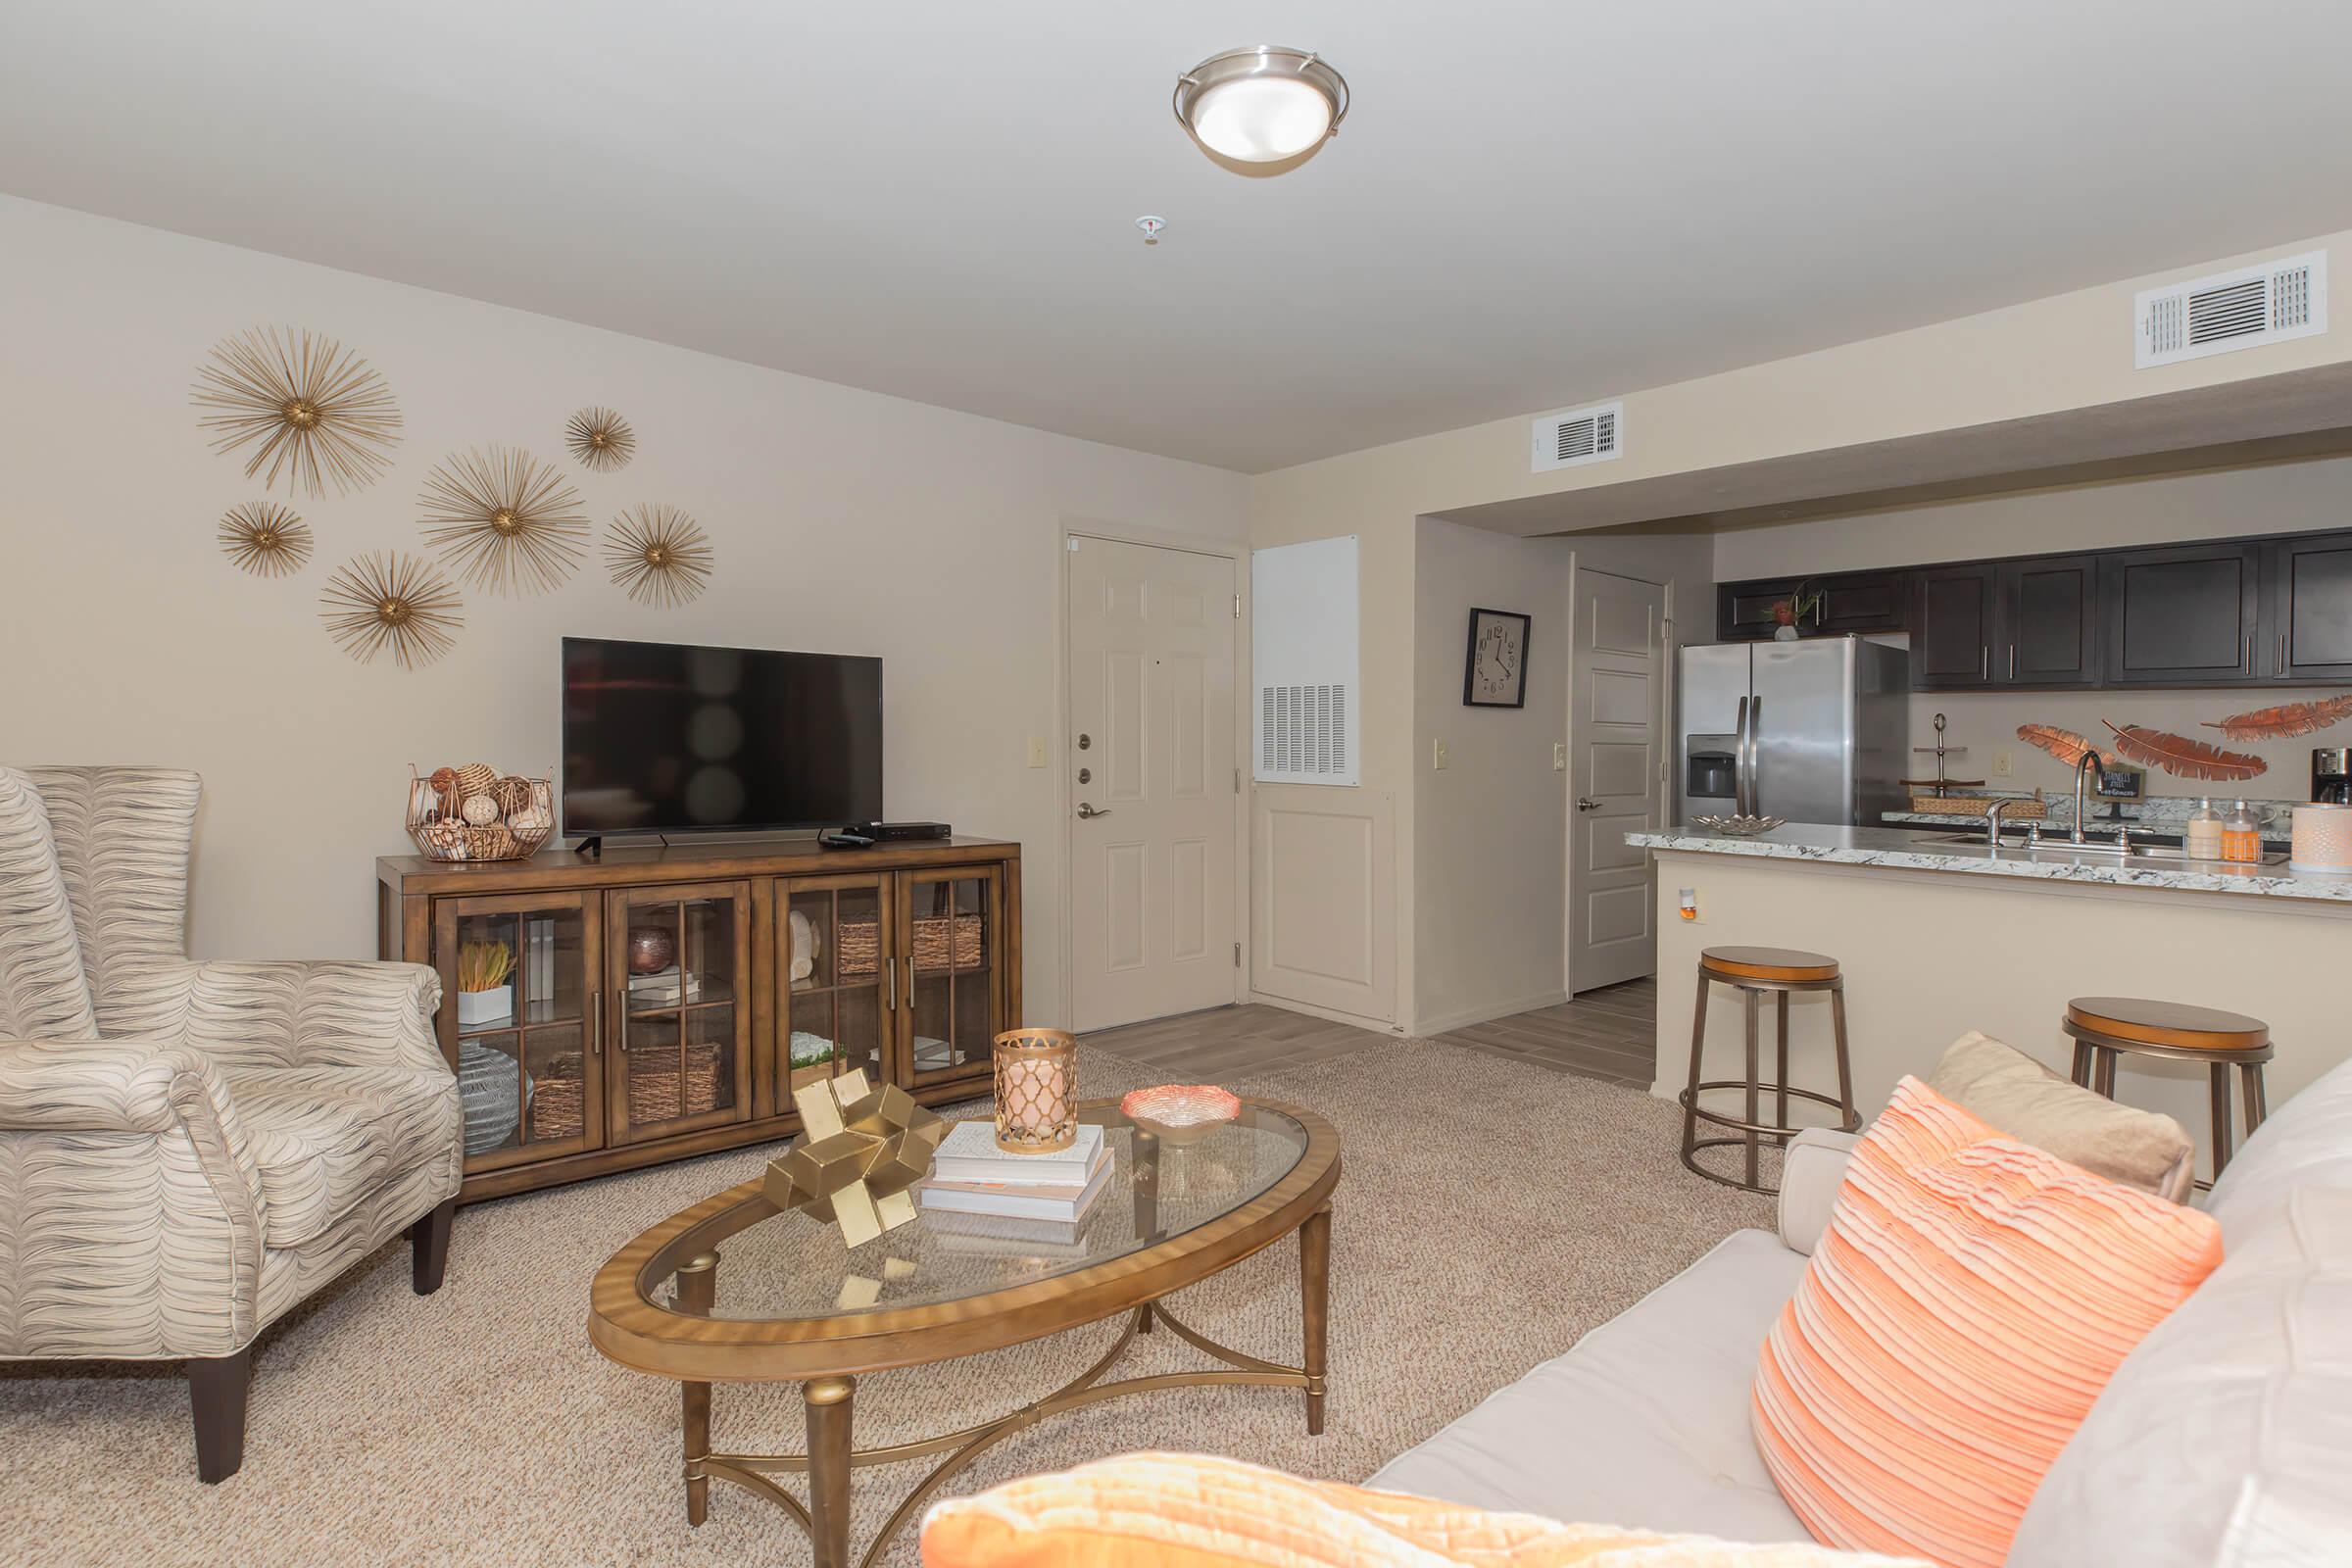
1037 1090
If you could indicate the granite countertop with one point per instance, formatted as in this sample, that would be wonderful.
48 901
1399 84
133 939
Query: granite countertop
1902 848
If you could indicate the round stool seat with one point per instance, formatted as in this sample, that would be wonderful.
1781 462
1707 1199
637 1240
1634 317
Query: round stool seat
1768 964
2173 1024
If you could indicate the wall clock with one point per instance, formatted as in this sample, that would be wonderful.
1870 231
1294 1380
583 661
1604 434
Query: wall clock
1494 670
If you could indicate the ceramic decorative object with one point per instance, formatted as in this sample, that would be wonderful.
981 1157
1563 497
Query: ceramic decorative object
479 811
860 1154
487 1088
2322 839
1739 827
1178 1114
1037 1090
314 408
652 949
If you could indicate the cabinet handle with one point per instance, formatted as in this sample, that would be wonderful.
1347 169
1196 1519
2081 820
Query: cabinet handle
2282 653
890 967
596 1032
623 1009
1985 663
2249 650
2013 661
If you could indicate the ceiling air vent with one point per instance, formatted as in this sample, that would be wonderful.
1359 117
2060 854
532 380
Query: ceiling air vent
2267 303
1584 435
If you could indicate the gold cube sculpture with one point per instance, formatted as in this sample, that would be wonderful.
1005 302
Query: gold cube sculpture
861 1152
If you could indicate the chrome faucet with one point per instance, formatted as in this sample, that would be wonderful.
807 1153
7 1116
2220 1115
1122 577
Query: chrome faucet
2088 760
1992 821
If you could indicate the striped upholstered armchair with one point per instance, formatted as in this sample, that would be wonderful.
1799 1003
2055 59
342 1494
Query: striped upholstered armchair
187 1149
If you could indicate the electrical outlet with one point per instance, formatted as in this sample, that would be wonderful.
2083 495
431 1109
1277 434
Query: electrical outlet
1559 756
2004 763
1037 751
1687 901
1438 756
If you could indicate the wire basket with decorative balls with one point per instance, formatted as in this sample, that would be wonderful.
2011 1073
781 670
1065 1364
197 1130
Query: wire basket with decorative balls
473 813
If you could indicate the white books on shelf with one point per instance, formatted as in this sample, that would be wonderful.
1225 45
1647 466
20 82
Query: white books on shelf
664 987
969 1153
1024 1200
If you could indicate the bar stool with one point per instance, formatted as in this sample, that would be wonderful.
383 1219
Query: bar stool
1753 971
2106 1027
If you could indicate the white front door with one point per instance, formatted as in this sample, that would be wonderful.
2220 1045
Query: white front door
1155 781
1616 668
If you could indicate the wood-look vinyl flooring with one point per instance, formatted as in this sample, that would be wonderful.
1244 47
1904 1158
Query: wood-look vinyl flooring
1609 1034
1606 1034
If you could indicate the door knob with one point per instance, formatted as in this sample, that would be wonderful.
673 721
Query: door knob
1586 802
1085 809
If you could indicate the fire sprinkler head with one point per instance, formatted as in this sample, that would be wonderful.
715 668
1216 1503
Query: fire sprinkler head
1151 227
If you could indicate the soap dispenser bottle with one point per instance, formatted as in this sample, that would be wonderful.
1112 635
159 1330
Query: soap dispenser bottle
2202 840
2241 835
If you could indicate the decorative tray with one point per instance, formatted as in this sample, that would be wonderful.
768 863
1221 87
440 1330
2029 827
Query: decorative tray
1739 827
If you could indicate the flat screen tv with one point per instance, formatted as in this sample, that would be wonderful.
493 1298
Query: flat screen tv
664 738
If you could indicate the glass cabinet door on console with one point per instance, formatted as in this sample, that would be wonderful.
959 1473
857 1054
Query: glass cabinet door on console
521 1022
678 971
951 929
837 982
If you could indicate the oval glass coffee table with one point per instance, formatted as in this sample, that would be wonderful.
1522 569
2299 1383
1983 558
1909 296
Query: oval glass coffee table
735 1290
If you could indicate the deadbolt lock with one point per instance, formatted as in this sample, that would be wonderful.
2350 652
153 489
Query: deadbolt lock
1086 775
1084 741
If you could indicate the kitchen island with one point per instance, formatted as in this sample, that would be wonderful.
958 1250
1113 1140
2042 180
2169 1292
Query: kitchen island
1940 937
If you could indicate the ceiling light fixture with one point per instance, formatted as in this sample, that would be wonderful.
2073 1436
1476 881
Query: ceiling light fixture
1261 111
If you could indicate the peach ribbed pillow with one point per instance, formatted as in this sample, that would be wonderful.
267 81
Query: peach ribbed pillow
1969 1301
1173 1511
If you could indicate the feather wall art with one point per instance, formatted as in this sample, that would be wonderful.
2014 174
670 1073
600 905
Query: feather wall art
2063 744
2183 757
2286 720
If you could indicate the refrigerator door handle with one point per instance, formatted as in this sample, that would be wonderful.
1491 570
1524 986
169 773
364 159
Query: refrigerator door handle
1756 756
1740 761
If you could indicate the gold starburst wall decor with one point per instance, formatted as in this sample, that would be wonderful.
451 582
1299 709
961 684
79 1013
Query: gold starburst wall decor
393 602
660 555
314 407
503 520
601 439
265 538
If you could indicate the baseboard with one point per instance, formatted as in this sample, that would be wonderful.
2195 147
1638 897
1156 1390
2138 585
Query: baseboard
1327 1015
1464 1017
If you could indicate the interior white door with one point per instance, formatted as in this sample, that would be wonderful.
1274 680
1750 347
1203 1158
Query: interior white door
1156 781
1617 663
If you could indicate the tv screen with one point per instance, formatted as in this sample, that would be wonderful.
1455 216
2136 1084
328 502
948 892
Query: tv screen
663 738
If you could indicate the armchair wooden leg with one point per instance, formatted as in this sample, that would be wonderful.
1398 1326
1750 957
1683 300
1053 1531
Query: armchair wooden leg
216 1388
428 1248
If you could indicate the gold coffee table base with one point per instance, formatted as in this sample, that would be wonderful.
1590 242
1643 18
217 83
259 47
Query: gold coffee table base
828 1403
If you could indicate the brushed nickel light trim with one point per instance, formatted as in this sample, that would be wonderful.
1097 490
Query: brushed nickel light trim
1261 64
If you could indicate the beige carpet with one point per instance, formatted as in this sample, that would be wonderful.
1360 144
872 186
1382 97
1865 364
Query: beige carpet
1490 1213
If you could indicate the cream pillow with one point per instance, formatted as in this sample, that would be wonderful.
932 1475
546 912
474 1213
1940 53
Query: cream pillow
2004 1087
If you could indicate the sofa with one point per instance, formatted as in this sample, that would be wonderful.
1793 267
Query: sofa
2222 1439
187 1149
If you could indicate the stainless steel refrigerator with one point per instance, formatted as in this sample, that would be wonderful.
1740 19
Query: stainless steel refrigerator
1813 731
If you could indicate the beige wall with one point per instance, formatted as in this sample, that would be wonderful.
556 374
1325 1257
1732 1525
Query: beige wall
842 520
1489 837
2281 498
1929 956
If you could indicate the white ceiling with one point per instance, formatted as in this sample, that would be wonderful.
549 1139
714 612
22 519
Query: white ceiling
1531 206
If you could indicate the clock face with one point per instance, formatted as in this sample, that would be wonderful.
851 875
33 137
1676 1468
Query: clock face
1497 659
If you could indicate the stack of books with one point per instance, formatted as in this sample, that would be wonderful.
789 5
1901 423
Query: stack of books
971 1175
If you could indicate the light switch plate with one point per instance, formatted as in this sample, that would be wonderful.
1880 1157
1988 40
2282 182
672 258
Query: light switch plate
1438 756
2004 763
1559 756
1037 751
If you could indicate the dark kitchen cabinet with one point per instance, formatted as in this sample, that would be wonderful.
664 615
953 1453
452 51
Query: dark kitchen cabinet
2307 619
2180 616
1850 602
1952 611
2048 628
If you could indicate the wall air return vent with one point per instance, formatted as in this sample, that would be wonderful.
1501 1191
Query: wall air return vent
1302 657
2267 303
1580 436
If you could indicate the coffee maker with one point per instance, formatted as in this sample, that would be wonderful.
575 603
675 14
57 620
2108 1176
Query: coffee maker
2332 775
